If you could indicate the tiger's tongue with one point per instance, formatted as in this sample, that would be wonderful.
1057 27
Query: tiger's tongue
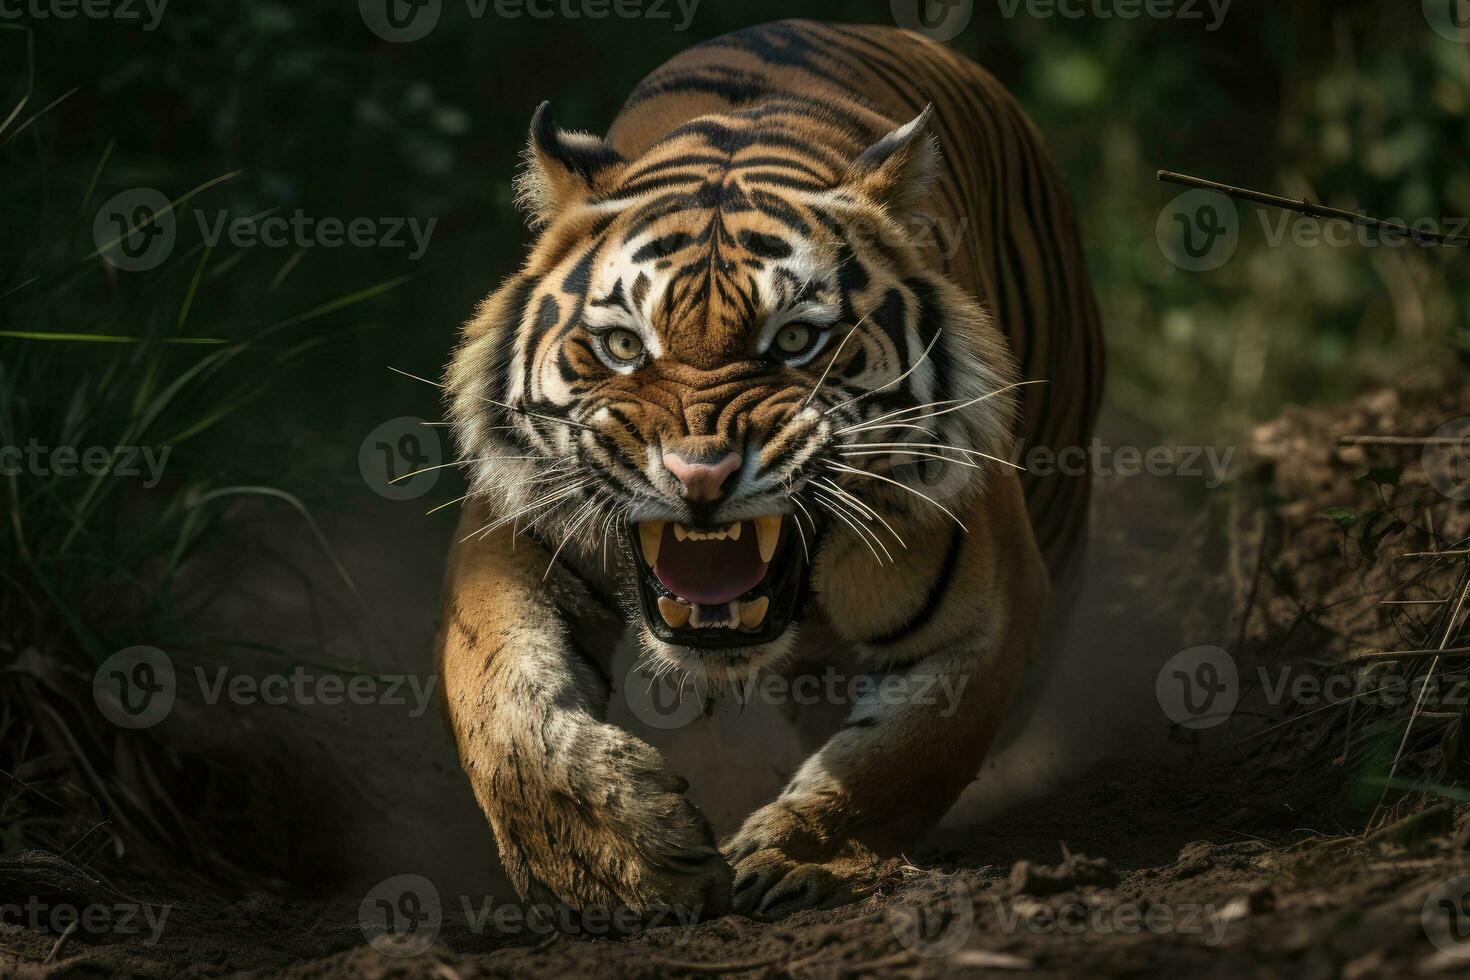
710 572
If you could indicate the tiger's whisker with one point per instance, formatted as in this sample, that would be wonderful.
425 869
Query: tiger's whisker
889 384
556 495
947 459
912 452
573 524
552 477
865 509
915 445
835 354
930 415
832 505
902 486
461 462
799 533
449 503
505 405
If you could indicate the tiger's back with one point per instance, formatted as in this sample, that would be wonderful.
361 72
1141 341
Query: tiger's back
1002 222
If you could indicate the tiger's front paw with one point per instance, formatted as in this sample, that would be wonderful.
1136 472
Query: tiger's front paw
630 840
786 861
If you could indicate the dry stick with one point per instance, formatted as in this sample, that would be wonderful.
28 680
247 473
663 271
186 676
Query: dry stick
1314 210
1409 654
1444 642
61 942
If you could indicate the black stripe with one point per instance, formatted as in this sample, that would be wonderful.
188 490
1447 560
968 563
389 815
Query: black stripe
935 599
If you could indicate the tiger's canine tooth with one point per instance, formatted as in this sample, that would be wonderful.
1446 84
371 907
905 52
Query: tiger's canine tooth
767 534
676 614
753 613
651 535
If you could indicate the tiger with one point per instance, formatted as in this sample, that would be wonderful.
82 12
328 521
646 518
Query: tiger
756 394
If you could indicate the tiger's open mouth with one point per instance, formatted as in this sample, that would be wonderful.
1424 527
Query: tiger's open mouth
738 584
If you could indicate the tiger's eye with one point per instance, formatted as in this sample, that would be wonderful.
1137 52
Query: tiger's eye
793 338
623 345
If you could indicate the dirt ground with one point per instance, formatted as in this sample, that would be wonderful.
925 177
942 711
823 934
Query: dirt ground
1119 831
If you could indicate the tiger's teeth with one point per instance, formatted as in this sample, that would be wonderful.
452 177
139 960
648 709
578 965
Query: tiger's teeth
680 532
733 531
651 535
753 613
676 614
767 534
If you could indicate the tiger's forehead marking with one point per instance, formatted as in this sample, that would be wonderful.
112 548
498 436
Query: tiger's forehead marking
706 257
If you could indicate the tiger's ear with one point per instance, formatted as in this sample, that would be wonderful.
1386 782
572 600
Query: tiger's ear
896 170
562 168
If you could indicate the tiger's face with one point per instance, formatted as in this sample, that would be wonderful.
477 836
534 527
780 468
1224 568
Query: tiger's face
720 353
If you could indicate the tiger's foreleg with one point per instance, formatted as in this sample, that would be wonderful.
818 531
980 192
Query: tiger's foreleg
908 749
583 813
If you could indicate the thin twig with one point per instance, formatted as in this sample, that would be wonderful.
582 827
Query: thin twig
1313 210
1410 654
1444 641
60 942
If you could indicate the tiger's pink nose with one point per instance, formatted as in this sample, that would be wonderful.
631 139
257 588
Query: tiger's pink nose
703 481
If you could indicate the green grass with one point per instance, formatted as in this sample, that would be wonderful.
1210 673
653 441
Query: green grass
174 358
